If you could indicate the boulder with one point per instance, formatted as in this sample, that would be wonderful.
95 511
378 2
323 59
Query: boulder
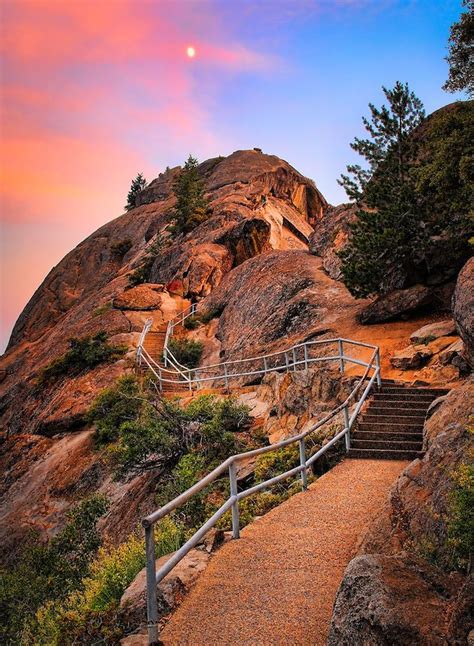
454 349
397 303
411 358
433 331
330 236
142 297
463 309
391 601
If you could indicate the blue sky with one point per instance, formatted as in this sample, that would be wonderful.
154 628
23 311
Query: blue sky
91 96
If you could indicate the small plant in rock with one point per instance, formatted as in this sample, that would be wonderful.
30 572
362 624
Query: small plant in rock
102 309
209 315
186 351
84 354
142 274
120 247
191 323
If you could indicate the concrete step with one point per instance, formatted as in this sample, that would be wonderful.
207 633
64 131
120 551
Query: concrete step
382 454
393 411
395 418
405 397
389 404
384 445
386 436
435 392
390 427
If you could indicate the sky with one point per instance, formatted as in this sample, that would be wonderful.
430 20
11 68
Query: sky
93 92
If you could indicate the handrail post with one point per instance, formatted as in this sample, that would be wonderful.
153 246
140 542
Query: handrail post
347 436
304 475
377 365
294 359
341 355
265 365
287 360
226 376
235 506
151 602
305 357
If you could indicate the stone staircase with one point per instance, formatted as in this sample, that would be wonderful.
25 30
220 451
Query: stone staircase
391 425
154 343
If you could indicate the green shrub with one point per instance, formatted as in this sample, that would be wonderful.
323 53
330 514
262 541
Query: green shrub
49 572
163 432
102 309
142 274
84 354
209 315
461 516
191 323
120 248
89 615
115 405
186 351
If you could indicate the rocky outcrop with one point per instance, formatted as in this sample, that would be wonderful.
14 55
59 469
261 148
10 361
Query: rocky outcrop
281 307
392 601
463 309
403 302
382 588
433 331
142 297
330 236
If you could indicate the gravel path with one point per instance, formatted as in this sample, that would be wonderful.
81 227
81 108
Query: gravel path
277 584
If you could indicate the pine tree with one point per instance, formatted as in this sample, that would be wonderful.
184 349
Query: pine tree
192 206
138 184
388 233
461 52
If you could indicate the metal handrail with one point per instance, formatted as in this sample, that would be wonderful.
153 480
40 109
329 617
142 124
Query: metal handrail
229 465
193 376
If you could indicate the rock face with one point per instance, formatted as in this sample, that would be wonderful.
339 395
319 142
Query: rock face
463 309
381 590
330 236
258 202
434 331
403 302
391 601
142 297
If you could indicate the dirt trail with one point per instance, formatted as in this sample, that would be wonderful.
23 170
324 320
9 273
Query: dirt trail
277 584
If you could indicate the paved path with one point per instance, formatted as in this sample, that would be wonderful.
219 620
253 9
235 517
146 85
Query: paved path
276 585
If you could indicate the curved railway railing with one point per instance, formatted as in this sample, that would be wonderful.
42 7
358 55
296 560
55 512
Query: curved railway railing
298 356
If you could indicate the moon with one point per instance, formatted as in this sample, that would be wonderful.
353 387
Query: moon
191 52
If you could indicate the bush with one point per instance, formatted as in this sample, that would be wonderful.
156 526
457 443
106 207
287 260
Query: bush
50 571
89 615
191 323
114 406
209 315
142 274
163 432
461 517
186 351
102 309
192 206
83 355
120 248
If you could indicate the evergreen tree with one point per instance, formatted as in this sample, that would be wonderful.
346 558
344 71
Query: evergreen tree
388 233
192 206
461 52
138 184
